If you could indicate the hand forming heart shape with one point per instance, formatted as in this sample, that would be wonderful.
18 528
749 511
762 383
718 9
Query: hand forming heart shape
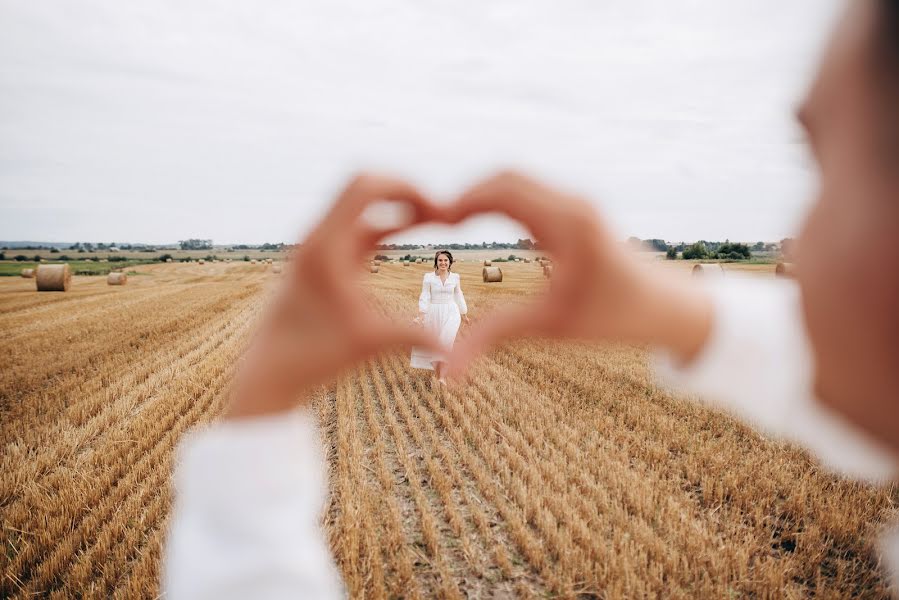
319 324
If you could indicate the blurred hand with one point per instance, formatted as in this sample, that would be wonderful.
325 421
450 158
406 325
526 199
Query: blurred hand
319 323
598 289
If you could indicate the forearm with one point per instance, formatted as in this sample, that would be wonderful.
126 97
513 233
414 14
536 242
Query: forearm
667 313
757 363
248 498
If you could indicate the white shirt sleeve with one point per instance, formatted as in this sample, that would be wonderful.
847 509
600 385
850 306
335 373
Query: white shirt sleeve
424 300
246 521
758 364
459 297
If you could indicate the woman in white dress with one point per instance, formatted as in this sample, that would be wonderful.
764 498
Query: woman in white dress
442 309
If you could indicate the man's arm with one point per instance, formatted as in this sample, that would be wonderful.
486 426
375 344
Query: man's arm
757 363
248 500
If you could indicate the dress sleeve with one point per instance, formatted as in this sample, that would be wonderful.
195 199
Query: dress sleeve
424 300
758 363
246 520
459 296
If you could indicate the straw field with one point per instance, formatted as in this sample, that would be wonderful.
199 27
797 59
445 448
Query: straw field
559 470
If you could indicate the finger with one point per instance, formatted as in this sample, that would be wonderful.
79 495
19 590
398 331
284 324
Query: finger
517 322
364 190
534 205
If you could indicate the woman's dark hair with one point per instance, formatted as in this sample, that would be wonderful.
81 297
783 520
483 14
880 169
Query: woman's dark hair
448 254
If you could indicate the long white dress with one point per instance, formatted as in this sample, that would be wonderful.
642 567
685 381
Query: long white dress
443 304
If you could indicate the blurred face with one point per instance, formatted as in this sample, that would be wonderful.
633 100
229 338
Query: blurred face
443 262
848 250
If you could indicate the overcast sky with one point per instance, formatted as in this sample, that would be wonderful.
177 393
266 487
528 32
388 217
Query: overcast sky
237 121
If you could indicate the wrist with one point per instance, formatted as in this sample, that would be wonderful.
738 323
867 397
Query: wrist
678 317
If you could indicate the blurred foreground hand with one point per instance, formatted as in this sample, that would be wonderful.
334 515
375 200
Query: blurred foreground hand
319 324
599 290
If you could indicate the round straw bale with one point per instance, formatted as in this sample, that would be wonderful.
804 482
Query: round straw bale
28 273
487 263
547 271
492 274
117 278
785 269
53 278
168 260
376 263
374 268
405 263
527 260
276 268
253 262
202 262
708 270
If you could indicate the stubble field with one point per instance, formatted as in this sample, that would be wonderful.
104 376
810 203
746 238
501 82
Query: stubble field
559 470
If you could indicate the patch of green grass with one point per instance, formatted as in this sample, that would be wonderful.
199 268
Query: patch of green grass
10 268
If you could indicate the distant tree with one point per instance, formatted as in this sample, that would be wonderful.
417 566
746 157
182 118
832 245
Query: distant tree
194 244
671 253
2 255
697 251
525 244
54 250
733 250
20 257
759 247
37 258
657 245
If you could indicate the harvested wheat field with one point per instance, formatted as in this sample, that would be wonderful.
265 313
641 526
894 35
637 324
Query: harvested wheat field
559 470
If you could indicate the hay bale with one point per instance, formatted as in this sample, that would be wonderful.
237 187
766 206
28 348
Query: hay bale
253 262
548 271
276 268
405 263
785 269
376 263
116 278
492 274
168 260
487 263
28 273
202 262
708 270
374 268
527 260
53 278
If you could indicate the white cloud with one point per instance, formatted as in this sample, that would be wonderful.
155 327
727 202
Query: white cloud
237 121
